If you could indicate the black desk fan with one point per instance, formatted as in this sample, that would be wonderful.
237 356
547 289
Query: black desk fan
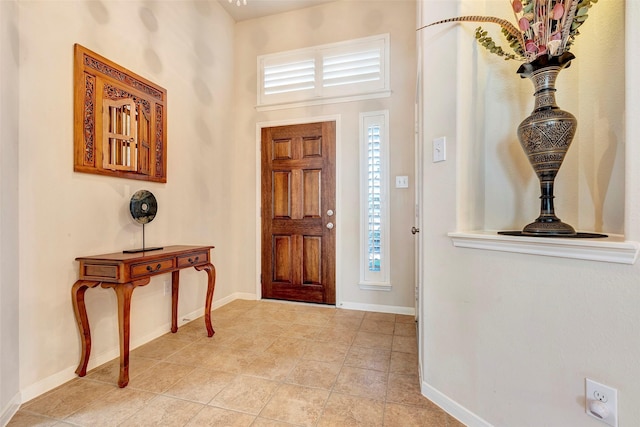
143 207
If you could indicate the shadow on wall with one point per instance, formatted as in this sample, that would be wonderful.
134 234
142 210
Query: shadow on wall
150 22
202 91
148 19
204 53
603 178
98 11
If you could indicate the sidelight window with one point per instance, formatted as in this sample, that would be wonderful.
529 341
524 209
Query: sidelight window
374 203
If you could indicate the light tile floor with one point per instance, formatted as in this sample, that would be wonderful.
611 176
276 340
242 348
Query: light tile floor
269 364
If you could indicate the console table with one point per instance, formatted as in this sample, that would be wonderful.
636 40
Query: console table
123 273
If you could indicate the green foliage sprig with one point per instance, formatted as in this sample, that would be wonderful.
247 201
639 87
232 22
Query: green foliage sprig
487 42
543 27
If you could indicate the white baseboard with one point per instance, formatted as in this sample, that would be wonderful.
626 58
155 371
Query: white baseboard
69 373
10 410
411 311
186 318
452 407
235 296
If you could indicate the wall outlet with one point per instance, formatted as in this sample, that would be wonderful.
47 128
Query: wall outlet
167 287
601 402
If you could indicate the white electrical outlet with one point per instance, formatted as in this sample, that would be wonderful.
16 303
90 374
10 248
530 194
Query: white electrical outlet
601 402
167 287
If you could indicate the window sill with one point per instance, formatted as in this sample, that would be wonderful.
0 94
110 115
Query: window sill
371 286
613 249
323 101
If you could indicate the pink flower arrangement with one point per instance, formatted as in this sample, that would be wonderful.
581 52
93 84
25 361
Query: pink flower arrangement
544 27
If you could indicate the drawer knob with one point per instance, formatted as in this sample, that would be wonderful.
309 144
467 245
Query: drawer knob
191 260
149 268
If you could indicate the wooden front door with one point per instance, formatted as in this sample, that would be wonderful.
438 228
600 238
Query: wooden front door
298 212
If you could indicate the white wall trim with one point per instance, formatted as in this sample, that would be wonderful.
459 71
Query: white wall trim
288 122
10 410
369 286
452 407
611 249
67 374
632 124
324 101
410 311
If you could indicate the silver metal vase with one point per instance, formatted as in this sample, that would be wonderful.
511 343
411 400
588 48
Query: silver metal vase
545 137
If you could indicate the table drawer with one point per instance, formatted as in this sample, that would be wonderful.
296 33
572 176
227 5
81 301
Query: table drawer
100 271
193 259
152 267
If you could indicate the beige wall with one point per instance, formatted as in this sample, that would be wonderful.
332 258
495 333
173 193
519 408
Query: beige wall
9 284
210 197
509 338
186 47
330 23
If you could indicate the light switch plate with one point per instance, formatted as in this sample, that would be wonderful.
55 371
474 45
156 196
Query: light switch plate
402 181
440 149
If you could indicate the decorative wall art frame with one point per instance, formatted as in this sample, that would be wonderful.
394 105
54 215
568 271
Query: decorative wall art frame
120 120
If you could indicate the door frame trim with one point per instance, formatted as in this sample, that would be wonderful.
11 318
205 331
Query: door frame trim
291 122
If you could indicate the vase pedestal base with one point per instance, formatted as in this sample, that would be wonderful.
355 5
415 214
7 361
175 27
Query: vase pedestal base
548 227
565 236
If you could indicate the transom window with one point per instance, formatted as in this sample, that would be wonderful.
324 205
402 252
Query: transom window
337 72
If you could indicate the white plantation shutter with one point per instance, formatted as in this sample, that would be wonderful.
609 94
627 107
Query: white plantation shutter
374 199
328 73
351 68
374 203
291 77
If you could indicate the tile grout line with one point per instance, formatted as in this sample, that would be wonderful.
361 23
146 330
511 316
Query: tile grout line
333 386
261 315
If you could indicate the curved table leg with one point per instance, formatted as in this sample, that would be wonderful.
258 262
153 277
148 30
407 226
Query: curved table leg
211 285
175 288
80 310
123 293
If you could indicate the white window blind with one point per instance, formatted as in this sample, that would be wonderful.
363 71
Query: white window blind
291 77
354 69
374 203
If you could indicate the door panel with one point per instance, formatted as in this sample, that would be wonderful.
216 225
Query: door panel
312 260
298 188
282 194
312 190
282 249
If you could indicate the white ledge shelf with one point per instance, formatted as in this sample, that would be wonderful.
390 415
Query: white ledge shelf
609 249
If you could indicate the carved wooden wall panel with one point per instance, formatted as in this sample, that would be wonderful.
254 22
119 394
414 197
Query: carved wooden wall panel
120 120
